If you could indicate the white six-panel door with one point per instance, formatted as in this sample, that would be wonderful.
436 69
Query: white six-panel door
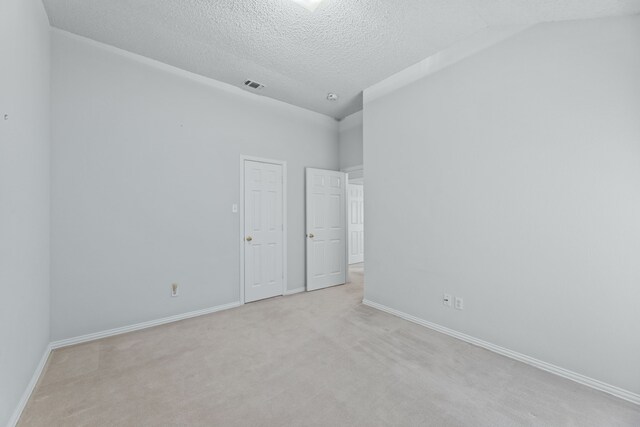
326 228
356 223
263 229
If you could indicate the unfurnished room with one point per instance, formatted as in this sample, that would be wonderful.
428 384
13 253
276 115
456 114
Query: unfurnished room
320 213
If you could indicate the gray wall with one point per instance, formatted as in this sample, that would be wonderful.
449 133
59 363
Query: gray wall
145 168
511 179
350 140
24 196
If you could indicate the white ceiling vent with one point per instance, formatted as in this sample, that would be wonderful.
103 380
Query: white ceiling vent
253 85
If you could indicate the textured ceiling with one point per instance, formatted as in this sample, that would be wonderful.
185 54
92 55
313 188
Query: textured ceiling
343 46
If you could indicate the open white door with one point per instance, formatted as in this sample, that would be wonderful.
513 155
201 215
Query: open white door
263 230
356 223
326 228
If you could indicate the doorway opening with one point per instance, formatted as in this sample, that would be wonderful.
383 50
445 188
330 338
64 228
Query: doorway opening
355 223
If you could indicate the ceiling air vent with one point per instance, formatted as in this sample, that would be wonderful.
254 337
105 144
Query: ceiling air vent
253 85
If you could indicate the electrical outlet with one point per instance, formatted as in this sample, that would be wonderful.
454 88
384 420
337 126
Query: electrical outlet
446 300
174 289
459 303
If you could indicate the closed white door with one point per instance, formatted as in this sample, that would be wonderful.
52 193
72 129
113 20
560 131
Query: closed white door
356 223
263 229
326 228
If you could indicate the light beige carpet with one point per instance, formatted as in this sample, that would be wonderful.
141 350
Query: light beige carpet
312 359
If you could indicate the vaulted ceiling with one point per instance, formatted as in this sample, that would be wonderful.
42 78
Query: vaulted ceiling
344 46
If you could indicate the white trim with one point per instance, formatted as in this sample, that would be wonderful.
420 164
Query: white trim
352 168
138 326
98 335
216 84
565 373
285 226
295 291
355 175
22 403
444 58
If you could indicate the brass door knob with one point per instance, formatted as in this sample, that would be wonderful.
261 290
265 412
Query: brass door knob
311 236
249 238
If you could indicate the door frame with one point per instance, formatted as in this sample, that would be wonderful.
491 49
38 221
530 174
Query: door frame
354 170
282 163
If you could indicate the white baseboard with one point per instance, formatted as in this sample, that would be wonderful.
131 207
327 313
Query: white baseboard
30 387
294 291
565 373
97 335
138 326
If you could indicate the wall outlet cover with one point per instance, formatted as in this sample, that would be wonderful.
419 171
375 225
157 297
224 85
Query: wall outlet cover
459 303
